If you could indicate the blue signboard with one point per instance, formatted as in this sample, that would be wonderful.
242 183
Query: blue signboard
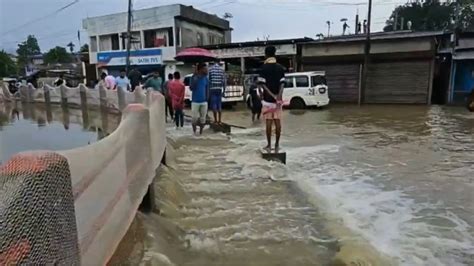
137 57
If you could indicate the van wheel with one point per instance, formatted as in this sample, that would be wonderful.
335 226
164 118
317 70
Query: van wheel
297 103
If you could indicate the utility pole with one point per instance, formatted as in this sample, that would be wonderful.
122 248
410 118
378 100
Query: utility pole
329 27
454 41
357 23
365 69
129 35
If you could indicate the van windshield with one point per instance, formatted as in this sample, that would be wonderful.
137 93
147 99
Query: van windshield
318 80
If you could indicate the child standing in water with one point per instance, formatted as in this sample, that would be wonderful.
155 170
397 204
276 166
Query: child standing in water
255 100
176 93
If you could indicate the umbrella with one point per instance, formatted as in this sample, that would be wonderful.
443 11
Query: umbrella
195 55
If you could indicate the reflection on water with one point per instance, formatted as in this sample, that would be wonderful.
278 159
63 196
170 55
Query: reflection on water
26 127
370 185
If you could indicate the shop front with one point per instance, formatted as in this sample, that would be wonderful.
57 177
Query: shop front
146 61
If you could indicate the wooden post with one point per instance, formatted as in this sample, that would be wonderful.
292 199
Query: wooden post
430 86
361 69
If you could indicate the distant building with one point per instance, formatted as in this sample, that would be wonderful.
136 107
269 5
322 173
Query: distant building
13 57
36 59
158 34
405 67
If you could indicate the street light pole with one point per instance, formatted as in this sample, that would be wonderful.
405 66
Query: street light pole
129 35
365 70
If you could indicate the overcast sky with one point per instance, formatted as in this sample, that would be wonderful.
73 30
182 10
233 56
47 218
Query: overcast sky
252 19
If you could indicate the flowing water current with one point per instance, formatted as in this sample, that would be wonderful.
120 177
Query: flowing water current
376 185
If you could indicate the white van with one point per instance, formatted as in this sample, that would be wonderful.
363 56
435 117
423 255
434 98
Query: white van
232 94
304 89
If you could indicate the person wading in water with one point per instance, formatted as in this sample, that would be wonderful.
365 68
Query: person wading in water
272 79
200 88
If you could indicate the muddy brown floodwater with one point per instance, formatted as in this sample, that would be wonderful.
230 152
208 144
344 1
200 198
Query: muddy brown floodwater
371 185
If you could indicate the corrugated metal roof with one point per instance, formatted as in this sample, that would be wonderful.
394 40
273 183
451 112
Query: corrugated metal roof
382 36
258 43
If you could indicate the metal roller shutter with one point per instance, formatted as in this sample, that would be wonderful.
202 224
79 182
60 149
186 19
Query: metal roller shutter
398 82
343 81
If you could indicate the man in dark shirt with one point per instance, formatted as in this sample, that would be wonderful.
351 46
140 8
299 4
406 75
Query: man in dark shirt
135 77
272 78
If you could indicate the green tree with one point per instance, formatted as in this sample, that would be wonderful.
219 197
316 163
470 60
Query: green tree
85 48
57 55
26 49
7 65
433 15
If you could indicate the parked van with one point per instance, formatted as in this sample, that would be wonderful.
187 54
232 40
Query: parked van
232 94
304 89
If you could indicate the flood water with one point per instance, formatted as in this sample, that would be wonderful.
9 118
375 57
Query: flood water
376 185
25 127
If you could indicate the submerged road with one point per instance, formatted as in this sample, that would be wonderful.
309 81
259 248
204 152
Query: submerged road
378 183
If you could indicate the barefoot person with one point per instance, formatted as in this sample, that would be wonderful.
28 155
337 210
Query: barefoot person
176 92
216 88
200 89
272 78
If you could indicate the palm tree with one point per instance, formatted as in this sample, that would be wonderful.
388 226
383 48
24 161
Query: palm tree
329 27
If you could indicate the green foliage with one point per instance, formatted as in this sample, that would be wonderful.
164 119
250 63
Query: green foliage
433 15
7 65
57 55
85 48
26 49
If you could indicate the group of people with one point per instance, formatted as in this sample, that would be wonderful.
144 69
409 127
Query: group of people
266 95
207 86
173 89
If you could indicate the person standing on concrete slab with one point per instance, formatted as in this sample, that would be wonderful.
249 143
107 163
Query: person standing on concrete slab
272 80
169 106
122 81
155 82
176 90
200 95
216 89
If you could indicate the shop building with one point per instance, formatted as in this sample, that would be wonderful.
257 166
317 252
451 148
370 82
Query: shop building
158 34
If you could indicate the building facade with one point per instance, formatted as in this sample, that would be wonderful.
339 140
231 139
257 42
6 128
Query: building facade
462 81
404 67
158 34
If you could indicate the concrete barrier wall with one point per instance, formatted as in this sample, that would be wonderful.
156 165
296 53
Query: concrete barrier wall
112 99
108 179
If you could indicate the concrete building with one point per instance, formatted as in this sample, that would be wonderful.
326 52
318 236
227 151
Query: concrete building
244 59
158 34
250 55
405 67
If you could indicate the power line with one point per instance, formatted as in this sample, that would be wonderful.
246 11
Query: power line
223 4
41 18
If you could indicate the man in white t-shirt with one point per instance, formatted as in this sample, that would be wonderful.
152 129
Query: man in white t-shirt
122 81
